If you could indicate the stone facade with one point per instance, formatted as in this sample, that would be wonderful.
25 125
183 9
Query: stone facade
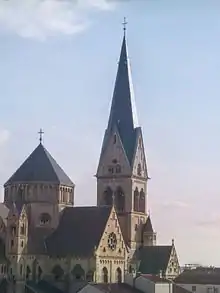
44 237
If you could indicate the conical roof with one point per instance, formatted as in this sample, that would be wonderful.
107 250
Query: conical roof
123 114
40 166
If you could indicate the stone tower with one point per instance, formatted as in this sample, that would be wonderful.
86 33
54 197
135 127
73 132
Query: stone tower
122 170
35 195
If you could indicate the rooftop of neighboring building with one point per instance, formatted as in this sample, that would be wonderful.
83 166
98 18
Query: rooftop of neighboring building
200 275
155 279
116 288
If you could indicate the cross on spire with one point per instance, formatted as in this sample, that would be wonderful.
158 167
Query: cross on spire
124 24
41 135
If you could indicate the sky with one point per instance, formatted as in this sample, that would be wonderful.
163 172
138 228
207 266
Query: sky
58 63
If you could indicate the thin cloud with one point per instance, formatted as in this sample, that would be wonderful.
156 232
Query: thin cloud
214 222
4 136
173 204
40 19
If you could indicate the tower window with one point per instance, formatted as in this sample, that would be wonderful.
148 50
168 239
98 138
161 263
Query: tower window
139 169
45 219
114 139
22 229
12 243
22 243
13 230
111 169
118 169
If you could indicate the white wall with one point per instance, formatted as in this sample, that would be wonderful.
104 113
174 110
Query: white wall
163 288
200 288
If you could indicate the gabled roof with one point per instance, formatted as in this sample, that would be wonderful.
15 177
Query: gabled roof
154 259
40 166
206 276
79 231
147 227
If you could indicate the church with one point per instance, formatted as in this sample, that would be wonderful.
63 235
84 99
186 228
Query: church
43 236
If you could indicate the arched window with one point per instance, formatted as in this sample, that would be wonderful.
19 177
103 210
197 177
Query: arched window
118 168
28 271
105 275
108 196
142 201
13 230
45 219
22 229
139 169
20 194
118 275
78 272
120 200
136 200
58 272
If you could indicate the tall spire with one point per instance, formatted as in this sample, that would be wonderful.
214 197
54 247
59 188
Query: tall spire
123 109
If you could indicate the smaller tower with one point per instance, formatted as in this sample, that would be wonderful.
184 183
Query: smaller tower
16 240
148 235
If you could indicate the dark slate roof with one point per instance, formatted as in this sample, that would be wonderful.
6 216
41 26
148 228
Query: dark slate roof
154 259
42 287
36 240
178 289
199 276
79 231
123 116
155 278
116 288
148 226
40 166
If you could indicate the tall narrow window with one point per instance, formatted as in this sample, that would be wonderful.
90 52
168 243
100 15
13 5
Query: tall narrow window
108 200
118 168
114 139
136 200
12 243
139 170
142 202
120 200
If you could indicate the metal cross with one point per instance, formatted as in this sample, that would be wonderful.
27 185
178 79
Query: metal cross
124 24
41 134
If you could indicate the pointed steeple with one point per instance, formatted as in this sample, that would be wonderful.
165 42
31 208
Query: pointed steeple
123 115
123 109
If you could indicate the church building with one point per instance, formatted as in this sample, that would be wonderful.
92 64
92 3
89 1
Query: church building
44 237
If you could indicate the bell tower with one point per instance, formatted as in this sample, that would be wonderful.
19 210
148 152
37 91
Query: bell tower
122 170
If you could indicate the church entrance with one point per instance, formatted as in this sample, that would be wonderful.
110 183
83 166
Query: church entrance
118 275
105 275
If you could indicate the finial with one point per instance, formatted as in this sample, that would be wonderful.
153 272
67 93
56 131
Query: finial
124 25
41 135
149 213
172 242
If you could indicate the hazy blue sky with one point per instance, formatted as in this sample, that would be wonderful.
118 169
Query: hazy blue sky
58 62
